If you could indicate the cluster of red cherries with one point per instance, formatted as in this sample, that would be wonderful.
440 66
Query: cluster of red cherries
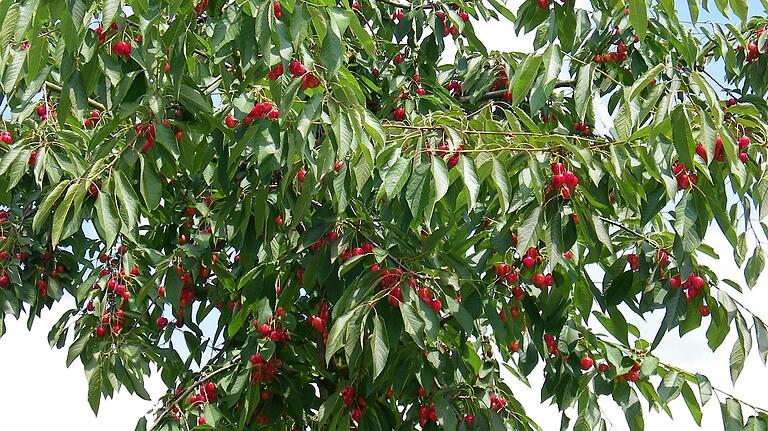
444 150
348 396
263 370
319 322
497 402
563 180
272 329
390 279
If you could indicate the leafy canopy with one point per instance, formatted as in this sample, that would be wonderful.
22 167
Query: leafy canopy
303 215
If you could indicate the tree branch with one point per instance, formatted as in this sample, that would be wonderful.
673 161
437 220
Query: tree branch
57 88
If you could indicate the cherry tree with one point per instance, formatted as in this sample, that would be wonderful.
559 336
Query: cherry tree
305 215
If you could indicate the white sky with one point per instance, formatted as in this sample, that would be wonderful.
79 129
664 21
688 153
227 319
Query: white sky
39 392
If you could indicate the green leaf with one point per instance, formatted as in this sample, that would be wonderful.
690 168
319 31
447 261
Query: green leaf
193 100
309 113
417 191
107 217
379 346
501 181
94 390
45 208
336 335
60 214
755 266
467 170
109 11
732 417
602 232
440 175
645 79
414 326
737 360
761 333
638 17
705 388
396 177
740 8
524 76
77 348
128 203
682 137
583 92
528 233
690 401
151 185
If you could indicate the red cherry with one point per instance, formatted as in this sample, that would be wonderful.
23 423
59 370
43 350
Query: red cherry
704 311
338 166
464 16
6 137
663 257
201 420
399 114
101 331
544 4
230 122
182 239
301 174
701 151
279 220
586 363
603 367
743 157
528 261
399 58
743 142
568 255
421 391
502 270
162 322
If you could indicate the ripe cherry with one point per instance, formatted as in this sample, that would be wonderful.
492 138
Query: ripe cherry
399 114
162 322
704 311
279 220
6 137
230 122
399 58
586 363
544 4
701 151
743 157
101 331
528 261
338 166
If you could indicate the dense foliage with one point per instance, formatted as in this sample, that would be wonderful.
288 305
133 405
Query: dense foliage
302 215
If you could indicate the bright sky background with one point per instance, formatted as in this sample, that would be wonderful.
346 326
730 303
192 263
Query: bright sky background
40 393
